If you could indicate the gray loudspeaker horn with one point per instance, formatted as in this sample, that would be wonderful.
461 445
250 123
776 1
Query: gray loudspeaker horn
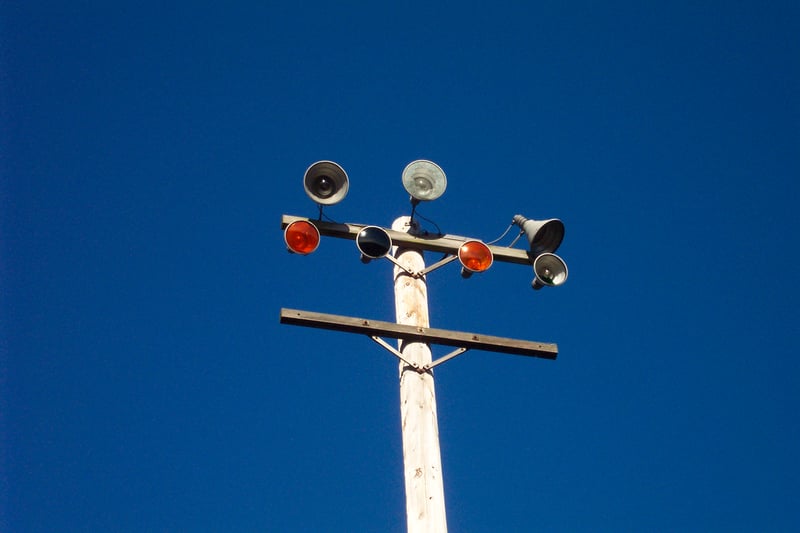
543 235
326 182
549 271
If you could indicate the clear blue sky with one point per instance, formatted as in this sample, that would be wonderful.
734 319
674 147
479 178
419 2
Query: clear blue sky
147 152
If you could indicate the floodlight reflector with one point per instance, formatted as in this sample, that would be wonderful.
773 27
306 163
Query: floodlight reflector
326 182
424 180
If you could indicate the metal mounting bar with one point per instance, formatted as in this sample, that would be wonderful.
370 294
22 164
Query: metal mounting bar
444 337
448 244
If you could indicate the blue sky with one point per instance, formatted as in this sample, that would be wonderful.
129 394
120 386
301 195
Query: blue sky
147 153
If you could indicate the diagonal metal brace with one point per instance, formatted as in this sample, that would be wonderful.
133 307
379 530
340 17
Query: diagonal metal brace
444 358
407 270
431 268
394 351
420 369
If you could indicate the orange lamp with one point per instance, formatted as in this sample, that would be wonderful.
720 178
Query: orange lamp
475 256
302 237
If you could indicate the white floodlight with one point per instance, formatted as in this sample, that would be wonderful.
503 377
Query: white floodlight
424 180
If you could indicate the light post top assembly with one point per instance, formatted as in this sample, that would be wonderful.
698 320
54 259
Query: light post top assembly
326 183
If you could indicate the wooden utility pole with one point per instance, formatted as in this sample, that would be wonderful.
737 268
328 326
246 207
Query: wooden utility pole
422 462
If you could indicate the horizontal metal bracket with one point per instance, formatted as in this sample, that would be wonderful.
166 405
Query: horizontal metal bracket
458 339
448 244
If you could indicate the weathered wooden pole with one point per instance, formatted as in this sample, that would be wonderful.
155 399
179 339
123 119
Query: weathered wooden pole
422 462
